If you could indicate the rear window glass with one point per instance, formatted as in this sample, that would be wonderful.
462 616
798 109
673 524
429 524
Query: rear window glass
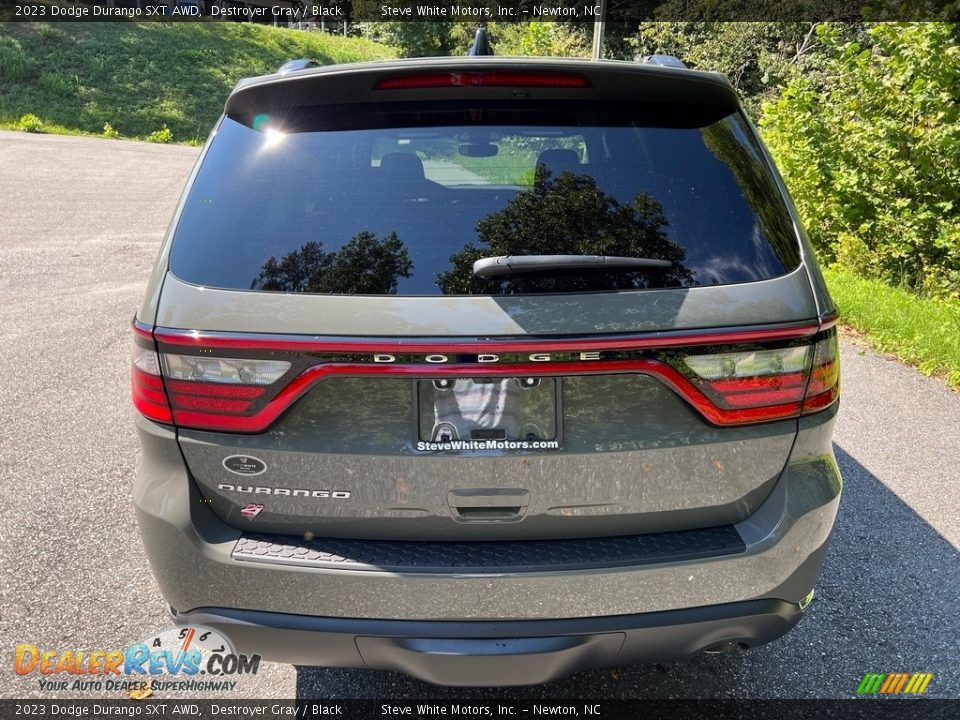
404 201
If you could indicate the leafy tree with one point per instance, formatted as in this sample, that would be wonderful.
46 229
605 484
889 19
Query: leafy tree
430 39
422 38
364 265
758 57
297 271
551 39
753 179
568 214
870 147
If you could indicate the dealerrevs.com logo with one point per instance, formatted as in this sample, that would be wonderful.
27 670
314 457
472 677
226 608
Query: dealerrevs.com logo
894 683
189 658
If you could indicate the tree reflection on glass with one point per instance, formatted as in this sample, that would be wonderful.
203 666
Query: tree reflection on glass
759 191
365 265
568 214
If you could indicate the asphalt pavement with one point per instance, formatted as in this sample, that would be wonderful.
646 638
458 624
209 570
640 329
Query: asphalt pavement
81 220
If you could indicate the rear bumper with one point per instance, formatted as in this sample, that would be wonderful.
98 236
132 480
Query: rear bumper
569 618
498 653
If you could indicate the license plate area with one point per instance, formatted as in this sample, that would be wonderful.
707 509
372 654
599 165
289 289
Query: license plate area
488 409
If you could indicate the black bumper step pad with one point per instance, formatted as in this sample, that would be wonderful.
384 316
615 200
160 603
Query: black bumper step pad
456 557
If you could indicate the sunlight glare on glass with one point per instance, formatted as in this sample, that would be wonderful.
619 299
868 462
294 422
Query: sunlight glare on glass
264 123
273 137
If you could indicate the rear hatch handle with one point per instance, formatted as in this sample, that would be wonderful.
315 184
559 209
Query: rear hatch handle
488 504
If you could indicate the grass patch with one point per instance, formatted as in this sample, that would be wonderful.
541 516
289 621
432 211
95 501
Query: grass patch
921 331
504 168
136 79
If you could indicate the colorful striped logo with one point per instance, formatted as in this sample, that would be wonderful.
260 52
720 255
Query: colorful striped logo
894 683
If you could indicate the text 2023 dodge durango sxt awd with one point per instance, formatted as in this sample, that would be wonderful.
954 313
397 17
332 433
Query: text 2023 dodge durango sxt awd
486 371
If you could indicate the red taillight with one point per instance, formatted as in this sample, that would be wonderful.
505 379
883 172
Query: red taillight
769 384
199 391
824 386
206 383
146 384
483 79
217 393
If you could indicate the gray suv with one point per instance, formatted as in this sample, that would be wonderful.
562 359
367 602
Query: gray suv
486 371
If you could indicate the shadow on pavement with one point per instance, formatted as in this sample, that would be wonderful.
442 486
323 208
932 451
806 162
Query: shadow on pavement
886 602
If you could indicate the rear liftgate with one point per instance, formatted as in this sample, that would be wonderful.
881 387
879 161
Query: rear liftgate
394 439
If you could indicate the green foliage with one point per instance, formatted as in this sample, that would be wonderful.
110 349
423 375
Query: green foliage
870 148
163 135
758 57
109 131
30 123
505 168
516 159
50 32
15 65
922 331
142 76
542 39
433 39
423 39
55 84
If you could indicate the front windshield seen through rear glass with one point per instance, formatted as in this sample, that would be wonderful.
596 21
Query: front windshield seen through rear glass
406 202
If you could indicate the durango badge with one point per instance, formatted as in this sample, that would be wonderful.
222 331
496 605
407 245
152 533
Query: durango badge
244 465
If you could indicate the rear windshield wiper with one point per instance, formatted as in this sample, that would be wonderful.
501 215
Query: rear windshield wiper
502 265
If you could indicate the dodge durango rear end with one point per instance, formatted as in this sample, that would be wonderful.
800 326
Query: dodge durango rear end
486 371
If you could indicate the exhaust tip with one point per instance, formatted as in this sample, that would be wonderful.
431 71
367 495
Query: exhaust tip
720 648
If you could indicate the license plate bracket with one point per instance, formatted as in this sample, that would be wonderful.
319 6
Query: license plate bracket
488 409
